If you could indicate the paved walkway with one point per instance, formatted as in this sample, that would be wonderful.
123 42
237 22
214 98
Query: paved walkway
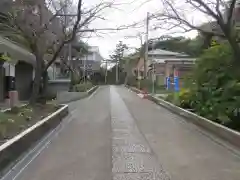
185 151
115 135
132 157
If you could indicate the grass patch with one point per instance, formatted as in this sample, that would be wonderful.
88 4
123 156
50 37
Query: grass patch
16 120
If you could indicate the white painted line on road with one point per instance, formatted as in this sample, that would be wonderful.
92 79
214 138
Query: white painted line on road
33 158
41 143
43 147
26 155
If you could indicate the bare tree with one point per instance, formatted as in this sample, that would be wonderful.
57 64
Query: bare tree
49 24
38 25
222 17
88 15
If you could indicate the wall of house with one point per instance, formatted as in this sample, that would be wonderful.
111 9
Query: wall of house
160 68
24 76
185 70
182 67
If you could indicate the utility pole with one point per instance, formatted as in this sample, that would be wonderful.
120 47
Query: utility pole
70 55
84 69
117 72
139 35
140 38
106 72
153 70
138 70
146 46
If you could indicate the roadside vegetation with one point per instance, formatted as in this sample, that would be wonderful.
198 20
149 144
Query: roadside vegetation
215 87
83 87
17 119
211 89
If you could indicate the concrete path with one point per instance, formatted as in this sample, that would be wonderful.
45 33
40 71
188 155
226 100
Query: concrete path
132 157
115 135
185 151
81 150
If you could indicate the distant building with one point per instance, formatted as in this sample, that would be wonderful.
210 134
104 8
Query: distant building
92 61
164 64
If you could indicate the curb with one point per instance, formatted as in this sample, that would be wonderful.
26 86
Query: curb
81 96
90 91
221 131
13 148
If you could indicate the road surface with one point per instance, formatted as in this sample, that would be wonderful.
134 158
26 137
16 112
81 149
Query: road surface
115 135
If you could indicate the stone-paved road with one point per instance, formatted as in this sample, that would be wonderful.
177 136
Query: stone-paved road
115 135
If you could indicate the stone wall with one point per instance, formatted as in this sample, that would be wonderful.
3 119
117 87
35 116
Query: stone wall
65 96
56 86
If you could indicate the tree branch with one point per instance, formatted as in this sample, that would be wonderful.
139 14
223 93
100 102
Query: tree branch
174 15
73 35
208 9
230 12
218 9
45 26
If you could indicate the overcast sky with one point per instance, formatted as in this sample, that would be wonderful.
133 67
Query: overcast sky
129 12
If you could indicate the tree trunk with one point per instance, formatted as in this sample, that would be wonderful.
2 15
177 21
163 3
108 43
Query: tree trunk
236 50
45 83
38 75
206 42
231 36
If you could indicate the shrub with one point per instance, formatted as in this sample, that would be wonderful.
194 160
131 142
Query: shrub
83 87
185 99
173 98
216 93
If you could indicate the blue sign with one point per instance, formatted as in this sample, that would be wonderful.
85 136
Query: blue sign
168 83
176 83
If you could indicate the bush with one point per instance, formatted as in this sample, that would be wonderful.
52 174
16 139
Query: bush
83 87
216 92
173 98
169 97
185 99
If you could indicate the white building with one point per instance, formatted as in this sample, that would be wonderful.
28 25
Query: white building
92 61
94 54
